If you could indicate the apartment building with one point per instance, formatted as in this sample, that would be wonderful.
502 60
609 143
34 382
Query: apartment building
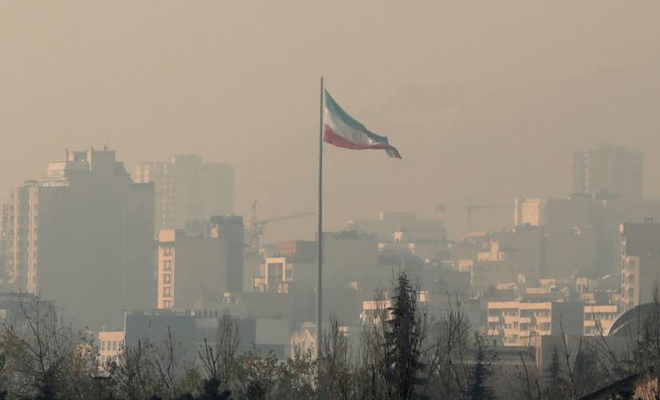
516 323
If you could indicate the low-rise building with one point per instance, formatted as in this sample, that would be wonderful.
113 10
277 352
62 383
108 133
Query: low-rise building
110 345
190 266
516 323
640 264
598 318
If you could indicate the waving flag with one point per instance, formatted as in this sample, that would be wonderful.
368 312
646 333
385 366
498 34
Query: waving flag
342 130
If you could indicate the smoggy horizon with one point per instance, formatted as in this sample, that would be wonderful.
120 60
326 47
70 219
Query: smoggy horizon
484 101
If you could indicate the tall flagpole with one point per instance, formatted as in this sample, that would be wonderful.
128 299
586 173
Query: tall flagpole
319 241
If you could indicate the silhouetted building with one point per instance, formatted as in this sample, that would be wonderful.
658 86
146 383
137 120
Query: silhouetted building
191 330
582 233
388 223
188 189
82 236
608 170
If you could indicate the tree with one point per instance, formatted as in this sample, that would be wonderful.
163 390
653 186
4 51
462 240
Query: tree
555 383
404 336
587 377
167 359
218 361
334 367
296 378
135 375
447 352
480 388
45 359
372 363
211 390
256 375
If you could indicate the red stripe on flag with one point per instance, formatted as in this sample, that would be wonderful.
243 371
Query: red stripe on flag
330 136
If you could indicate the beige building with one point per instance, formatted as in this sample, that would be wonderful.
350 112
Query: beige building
82 236
494 266
194 269
188 189
529 212
598 318
640 263
110 345
276 275
517 323
20 235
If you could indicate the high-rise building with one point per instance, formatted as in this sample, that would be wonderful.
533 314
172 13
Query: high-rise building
191 267
608 170
188 189
640 263
582 231
82 236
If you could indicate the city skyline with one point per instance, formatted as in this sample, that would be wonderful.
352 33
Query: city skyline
189 214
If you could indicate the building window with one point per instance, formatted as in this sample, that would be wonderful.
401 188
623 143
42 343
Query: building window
167 250
103 345
167 304
167 292
167 265
167 278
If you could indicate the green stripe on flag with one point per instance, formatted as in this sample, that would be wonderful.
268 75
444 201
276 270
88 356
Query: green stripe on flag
336 109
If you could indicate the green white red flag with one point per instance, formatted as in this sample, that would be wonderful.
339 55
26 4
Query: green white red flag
342 130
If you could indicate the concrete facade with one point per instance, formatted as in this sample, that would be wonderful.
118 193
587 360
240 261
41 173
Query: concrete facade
82 236
188 189
193 268
640 263
608 170
516 323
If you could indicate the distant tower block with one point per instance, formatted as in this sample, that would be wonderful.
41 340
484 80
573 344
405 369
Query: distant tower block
608 170
188 189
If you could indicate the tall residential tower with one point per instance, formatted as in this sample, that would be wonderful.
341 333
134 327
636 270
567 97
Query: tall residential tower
608 170
188 189
83 237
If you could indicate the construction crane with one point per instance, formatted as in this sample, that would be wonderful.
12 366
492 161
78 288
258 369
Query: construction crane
255 227
469 209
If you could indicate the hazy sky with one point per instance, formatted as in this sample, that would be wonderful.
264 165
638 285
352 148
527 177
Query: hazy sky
483 99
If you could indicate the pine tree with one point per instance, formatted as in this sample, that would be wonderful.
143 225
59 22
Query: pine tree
211 390
555 383
480 390
404 337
